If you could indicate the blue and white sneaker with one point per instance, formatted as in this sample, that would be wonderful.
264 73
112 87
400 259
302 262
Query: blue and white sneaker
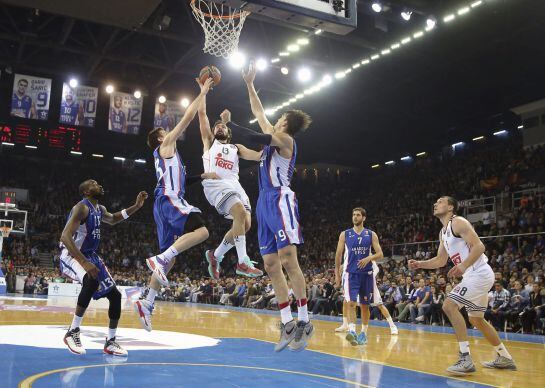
158 267
352 337
362 338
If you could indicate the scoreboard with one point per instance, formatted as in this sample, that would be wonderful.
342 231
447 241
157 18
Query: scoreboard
60 137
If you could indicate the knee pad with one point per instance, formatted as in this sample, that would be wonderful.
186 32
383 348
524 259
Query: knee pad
88 288
114 311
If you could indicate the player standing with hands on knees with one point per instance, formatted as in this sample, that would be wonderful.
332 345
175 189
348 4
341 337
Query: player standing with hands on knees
459 242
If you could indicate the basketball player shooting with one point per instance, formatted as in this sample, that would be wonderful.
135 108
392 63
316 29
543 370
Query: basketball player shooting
277 212
459 241
79 260
179 225
226 194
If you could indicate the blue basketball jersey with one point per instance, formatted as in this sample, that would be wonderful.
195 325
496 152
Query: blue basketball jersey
117 119
162 122
21 106
274 170
357 247
87 237
69 113
170 175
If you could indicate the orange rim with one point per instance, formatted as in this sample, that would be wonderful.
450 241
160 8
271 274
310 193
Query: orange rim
208 15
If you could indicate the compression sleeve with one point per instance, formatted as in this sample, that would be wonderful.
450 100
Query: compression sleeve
190 179
247 135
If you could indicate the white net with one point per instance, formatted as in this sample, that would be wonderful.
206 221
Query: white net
221 24
5 231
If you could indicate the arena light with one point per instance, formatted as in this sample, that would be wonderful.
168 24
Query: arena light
162 99
77 153
293 48
318 32
269 112
406 158
376 6
292 100
348 71
261 64
275 60
431 23
304 74
420 154
478 138
476 4
109 89
500 133
298 96
463 11
449 18
418 34
375 166
302 41
386 52
458 144
284 54
356 65
340 75
7 144
406 40
375 57
137 94
389 162
140 161
237 60
395 46
326 80
253 121
284 70
520 127
184 102
31 147
73 83
406 15
365 62
97 156
121 159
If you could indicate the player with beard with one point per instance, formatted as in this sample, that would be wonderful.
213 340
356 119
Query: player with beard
226 194
79 260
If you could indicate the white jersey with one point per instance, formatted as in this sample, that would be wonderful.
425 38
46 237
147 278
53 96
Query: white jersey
222 159
458 249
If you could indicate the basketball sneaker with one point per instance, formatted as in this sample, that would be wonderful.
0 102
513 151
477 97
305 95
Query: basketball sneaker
247 269
352 337
304 332
463 366
113 348
362 338
341 328
394 330
158 267
213 264
72 340
287 334
501 363
144 309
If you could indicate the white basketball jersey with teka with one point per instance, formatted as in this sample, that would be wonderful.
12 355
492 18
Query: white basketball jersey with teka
458 249
222 159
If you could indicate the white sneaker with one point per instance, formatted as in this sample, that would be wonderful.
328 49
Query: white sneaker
158 267
114 349
341 329
72 340
420 318
394 330
144 309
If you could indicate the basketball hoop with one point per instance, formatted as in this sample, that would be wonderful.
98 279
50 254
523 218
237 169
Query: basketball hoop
221 24
5 231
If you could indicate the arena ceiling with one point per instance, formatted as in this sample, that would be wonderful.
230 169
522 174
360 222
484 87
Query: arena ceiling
459 79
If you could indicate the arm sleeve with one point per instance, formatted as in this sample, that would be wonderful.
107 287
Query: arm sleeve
190 179
247 135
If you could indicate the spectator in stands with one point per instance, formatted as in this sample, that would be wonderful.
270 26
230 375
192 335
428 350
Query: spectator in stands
30 284
404 308
500 302
393 296
422 303
436 305
535 311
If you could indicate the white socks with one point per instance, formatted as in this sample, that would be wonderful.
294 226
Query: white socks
364 328
76 321
111 333
151 295
285 314
302 312
240 244
345 321
169 254
390 321
222 249
464 347
502 351
352 327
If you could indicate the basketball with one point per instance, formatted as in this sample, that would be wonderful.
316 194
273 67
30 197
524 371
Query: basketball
210 71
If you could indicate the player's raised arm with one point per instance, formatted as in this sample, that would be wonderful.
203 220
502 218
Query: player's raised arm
338 256
378 252
248 154
204 125
115 218
255 102
77 217
437 262
189 115
464 229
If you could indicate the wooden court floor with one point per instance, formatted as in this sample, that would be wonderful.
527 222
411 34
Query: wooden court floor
415 351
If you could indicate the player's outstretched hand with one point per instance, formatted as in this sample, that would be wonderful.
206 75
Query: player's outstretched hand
141 198
413 264
456 271
225 116
91 269
205 88
210 175
249 76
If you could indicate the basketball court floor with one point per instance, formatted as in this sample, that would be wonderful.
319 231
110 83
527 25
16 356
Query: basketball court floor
214 346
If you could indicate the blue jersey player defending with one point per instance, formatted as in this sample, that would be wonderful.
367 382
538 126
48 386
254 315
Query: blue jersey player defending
179 225
277 213
79 260
21 103
358 276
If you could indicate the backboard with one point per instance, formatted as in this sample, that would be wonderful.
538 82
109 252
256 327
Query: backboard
11 216
335 16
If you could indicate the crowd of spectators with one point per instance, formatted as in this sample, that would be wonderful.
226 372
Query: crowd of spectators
400 213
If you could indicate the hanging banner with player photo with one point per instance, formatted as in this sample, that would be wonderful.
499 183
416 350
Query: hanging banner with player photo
167 115
30 98
125 113
78 105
